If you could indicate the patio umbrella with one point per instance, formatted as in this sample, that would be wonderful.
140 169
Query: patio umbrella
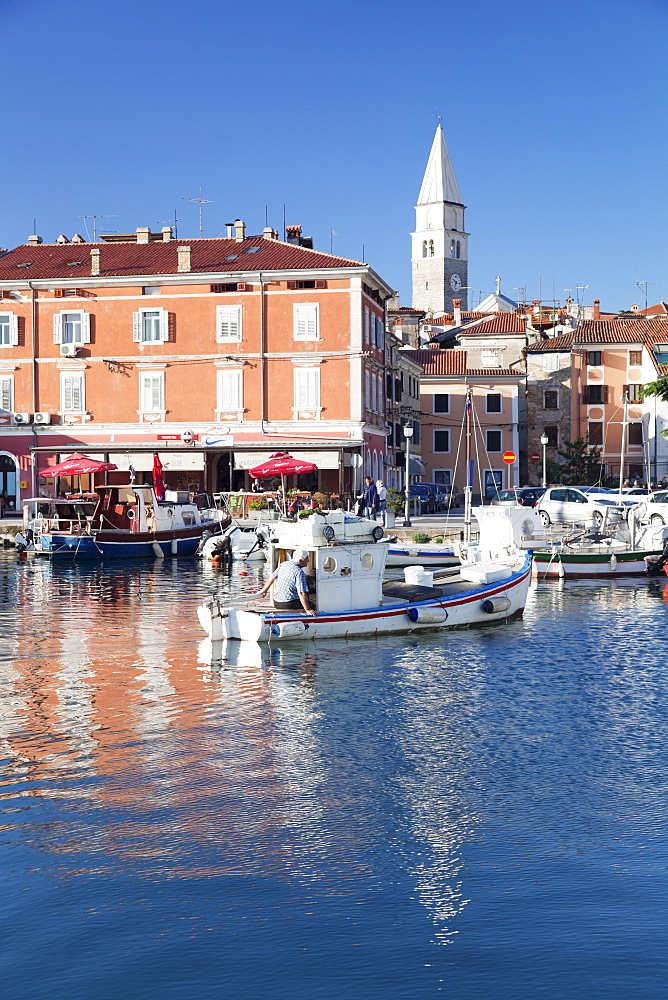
282 464
77 465
158 481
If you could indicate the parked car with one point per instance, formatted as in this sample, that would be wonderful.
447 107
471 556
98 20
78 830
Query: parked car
653 510
447 496
636 491
426 493
581 505
520 496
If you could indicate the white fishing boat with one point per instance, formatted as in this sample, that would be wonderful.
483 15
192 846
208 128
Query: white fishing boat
623 550
234 543
346 566
425 554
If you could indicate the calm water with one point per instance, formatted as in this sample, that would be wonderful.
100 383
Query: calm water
477 815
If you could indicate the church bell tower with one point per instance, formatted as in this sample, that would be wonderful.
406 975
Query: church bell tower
440 244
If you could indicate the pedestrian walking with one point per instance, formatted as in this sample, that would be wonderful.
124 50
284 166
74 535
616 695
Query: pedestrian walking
382 500
370 498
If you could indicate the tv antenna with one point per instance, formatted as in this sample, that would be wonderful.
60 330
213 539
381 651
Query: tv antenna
200 201
94 218
174 222
645 283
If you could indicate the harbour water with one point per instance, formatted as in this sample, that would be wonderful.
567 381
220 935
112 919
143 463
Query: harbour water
476 814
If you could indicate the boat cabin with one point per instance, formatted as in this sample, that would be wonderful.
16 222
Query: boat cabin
346 564
136 509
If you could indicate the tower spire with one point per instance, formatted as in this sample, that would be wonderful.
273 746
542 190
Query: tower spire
440 249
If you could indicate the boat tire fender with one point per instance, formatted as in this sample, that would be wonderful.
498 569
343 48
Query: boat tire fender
495 605
427 616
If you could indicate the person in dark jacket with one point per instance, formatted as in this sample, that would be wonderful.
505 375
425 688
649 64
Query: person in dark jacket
371 501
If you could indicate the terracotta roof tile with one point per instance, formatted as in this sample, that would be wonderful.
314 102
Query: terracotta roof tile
453 363
563 342
72 260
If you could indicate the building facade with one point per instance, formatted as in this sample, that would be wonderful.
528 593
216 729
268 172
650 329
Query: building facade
212 352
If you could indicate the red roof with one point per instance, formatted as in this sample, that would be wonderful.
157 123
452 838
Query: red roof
564 342
48 261
448 319
453 363
633 330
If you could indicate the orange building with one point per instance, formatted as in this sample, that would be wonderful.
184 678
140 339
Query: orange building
212 352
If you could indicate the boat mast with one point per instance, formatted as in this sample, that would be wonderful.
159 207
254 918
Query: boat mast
624 422
469 471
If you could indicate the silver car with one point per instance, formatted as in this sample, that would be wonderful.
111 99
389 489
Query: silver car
586 505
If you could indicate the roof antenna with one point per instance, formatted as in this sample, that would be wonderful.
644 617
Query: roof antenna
200 201
169 222
94 218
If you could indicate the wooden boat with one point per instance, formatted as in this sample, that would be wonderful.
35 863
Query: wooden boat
124 522
624 550
352 598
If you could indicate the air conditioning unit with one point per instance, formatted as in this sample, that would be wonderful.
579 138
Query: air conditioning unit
21 418
68 350
42 418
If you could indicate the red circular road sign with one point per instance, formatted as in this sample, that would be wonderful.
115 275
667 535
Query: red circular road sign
535 457
509 457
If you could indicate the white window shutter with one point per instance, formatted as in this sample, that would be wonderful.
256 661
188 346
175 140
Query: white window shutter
374 397
366 324
72 393
230 390
381 334
164 326
13 329
58 328
136 327
306 321
85 328
6 395
228 323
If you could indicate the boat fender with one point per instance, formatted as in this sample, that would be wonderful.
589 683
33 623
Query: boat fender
284 630
613 562
175 546
427 615
495 605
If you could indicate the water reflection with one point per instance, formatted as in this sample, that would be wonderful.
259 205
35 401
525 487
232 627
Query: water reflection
417 775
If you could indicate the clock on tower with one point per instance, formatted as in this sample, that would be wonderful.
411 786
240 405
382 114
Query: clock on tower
455 282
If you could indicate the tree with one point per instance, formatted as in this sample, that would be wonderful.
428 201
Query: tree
582 465
658 388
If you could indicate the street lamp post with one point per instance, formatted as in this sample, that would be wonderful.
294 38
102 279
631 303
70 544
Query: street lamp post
408 434
544 440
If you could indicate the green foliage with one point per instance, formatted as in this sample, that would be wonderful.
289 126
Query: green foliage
438 540
658 388
323 500
395 501
582 466
420 536
258 503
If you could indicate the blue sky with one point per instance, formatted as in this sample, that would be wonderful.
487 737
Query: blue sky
553 114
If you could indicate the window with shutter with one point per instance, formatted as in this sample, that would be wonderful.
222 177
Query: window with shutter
306 321
9 330
71 392
366 324
151 392
635 434
307 388
150 326
635 357
7 393
550 362
230 390
71 328
228 323
551 399
374 393
367 390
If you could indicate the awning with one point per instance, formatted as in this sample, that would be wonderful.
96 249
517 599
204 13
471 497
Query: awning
416 466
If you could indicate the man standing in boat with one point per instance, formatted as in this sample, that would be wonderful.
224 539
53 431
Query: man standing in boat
290 586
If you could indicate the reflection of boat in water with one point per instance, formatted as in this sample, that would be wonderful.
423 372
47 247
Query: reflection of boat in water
123 522
347 566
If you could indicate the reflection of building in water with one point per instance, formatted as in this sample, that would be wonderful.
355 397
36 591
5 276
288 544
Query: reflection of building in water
437 784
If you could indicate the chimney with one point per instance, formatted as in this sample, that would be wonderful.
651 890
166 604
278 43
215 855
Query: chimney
457 312
166 233
34 240
95 260
143 234
269 233
78 239
293 234
184 259
62 239
239 230
597 308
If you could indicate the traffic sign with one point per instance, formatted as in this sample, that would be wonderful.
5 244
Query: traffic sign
509 457
535 457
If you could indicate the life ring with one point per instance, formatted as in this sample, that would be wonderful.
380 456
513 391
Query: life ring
131 515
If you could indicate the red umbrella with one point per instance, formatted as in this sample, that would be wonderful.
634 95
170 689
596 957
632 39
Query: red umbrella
76 465
281 464
158 481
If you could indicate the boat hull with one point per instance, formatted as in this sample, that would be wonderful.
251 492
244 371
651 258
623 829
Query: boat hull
122 544
591 564
460 609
